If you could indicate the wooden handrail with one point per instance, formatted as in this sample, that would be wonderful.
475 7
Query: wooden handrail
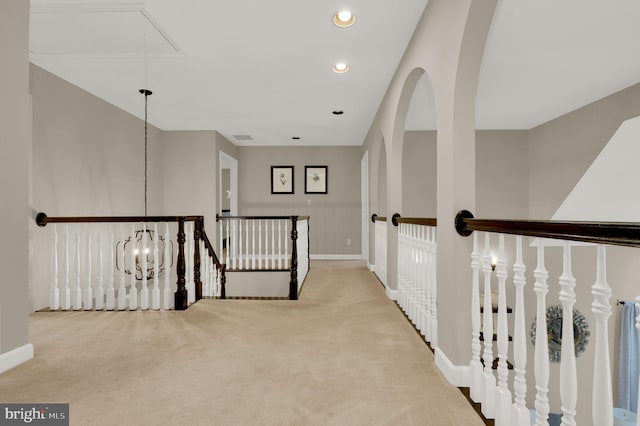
219 218
614 233
375 217
42 219
426 221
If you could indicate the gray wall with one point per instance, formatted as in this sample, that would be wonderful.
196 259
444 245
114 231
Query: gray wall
15 140
335 217
419 177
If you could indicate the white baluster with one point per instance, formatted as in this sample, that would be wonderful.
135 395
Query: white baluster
235 240
88 291
541 360
133 291
65 293
100 274
247 264
155 293
433 272
273 244
166 297
253 244
602 399
503 413
54 292
228 241
221 238
568 373
477 390
144 290
111 291
260 255
489 403
279 244
191 285
287 237
425 273
521 416
76 295
240 254
122 292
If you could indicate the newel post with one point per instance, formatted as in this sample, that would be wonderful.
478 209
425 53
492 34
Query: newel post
197 235
293 284
180 298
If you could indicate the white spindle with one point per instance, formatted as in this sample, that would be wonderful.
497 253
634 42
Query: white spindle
260 253
100 275
88 291
133 291
433 255
54 292
166 298
253 244
111 291
65 293
76 298
638 328
191 285
602 399
221 238
234 232
144 290
247 264
476 391
287 236
240 254
425 273
155 293
228 238
122 292
279 244
568 373
503 412
541 373
520 415
488 404
273 244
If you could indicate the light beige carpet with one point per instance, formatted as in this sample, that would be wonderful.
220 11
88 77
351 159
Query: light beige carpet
342 355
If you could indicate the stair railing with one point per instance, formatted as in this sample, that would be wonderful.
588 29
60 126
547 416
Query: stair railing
494 392
133 246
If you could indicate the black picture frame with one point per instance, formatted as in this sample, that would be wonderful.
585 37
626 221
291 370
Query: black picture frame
282 180
316 179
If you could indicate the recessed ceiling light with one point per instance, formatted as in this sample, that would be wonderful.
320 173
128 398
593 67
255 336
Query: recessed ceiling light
338 112
340 67
344 18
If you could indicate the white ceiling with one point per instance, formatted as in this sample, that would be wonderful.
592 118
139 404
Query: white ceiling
263 68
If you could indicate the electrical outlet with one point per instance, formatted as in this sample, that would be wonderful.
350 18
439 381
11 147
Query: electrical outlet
308 202
348 241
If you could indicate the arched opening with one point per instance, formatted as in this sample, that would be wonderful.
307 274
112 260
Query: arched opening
419 153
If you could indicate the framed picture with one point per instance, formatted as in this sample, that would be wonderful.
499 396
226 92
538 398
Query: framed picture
282 179
315 179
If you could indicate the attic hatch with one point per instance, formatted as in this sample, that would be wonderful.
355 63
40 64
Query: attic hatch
97 30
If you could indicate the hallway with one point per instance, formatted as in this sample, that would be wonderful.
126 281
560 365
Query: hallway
342 355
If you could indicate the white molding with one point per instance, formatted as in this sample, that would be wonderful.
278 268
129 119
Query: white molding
371 266
15 357
336 257
392 294
456 375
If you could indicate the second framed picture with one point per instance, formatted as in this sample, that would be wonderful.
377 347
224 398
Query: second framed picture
315 179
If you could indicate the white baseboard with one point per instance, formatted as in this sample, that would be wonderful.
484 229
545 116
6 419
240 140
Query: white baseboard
456 375
15 357
392 294
336 257
372 267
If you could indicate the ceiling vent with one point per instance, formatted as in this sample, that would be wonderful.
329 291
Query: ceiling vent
97 30
243 137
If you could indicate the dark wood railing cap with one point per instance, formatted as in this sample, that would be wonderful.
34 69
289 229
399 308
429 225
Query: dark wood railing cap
426 221
219 218
42 219
615 233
